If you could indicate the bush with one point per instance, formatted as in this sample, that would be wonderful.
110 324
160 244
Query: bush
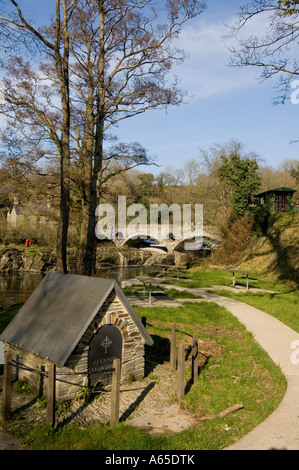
39 234
236 237
263 220
23 388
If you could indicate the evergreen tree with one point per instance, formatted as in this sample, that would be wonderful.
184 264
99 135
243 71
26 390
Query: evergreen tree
241 176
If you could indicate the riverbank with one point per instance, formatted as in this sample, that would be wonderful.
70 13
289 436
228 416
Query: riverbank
42 260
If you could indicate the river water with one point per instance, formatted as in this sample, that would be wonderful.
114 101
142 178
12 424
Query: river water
15 288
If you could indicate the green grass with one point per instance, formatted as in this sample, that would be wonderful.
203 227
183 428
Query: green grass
7 315
238 371
199 279
281 304
182 294
172 293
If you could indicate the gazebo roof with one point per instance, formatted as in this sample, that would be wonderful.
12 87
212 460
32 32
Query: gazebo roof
54 318
277 190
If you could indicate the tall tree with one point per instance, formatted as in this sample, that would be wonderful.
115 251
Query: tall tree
23 102
134 56
240 174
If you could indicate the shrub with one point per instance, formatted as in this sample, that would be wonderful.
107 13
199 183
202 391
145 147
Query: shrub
236 237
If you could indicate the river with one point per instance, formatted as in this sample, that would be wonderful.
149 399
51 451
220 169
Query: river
16 288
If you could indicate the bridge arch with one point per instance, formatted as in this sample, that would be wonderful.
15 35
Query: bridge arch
164 237
136 241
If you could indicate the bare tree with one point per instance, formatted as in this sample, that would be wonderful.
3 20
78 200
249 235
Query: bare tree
134 56
55 43
108 60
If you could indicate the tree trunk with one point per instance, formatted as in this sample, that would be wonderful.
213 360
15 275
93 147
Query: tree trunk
91 241
89 261
62 67
86 178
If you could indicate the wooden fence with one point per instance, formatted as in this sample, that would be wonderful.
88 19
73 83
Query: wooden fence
53 376
177 362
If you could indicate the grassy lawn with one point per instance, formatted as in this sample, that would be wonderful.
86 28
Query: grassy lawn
237 371
198 278
281 304
137 289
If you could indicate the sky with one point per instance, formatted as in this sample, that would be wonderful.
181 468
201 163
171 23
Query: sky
224 103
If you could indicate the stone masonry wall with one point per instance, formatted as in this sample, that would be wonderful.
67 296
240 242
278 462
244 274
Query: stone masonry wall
114 313
30 360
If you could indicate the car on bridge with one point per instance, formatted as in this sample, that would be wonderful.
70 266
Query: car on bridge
149 242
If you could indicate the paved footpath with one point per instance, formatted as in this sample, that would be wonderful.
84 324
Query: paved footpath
280 431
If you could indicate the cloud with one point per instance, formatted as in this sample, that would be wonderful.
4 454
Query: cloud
206 72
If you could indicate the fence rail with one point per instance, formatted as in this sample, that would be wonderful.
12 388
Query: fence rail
19 365
53 376
177 362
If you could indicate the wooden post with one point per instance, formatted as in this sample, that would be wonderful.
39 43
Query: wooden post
6 404
173 347
114 412
181 373
50 419
195 358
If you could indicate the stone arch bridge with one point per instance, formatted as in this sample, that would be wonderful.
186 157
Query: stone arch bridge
166 237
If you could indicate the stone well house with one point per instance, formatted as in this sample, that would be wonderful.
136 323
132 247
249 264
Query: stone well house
81 324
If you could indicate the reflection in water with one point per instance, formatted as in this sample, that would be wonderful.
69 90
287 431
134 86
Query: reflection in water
15 288
120 273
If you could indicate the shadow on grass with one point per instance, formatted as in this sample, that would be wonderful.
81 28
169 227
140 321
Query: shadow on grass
200 370
282 264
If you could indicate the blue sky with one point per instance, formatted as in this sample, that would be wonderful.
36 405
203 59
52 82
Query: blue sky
226 103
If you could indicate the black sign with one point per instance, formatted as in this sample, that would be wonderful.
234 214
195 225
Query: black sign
105 346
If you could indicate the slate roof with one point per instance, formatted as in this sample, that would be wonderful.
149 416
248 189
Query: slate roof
282 190
58 312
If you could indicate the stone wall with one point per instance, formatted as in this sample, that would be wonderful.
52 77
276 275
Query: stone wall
21 357
68 386
114 313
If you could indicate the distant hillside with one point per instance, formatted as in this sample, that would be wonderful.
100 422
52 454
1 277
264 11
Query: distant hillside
277 254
